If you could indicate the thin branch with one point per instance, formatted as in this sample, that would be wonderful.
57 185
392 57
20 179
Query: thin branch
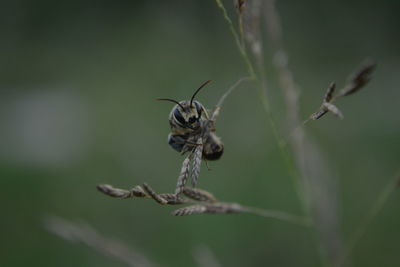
261 84
230 207
356 82
164 199
199 195
319 201
239 45
370 216
203 202
217 108
279 215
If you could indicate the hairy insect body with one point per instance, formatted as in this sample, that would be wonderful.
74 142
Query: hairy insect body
190 122
213 147
185 119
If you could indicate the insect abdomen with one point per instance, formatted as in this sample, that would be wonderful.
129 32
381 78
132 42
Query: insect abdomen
176 142
213 147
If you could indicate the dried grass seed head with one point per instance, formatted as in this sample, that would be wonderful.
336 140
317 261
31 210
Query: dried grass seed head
214 208
358 79
197 155
329 92
183 176
333 109
199 194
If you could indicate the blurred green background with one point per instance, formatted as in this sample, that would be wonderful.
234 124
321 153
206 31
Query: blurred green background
78 81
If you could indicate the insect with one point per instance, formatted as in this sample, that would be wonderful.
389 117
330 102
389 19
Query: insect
191 126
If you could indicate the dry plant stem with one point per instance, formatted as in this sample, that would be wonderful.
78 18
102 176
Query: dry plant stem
252 34
121 193
154 195
217 108
183 176
358 79
333 109
229 207
240 6
83 233
197 154
286 81
265 103
319 200
278 215
147 192
262 89
241 47
261 84
199 195
371 215
328 98
251 15
203 203
355 82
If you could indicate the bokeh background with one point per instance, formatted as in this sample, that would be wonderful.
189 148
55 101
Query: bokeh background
78 81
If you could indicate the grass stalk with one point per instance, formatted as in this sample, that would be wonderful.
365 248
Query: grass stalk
373 212
240 46
298 176
282 145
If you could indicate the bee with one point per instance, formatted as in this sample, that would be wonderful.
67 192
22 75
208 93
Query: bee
190 122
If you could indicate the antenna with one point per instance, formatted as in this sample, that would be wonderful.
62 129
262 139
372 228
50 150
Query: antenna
170 100
195 93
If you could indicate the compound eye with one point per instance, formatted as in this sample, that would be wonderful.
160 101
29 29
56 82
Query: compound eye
198 108
192 119
178 116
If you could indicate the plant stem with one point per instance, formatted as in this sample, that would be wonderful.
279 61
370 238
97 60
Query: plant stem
295 174
239 45
282 145
371 215
279 215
